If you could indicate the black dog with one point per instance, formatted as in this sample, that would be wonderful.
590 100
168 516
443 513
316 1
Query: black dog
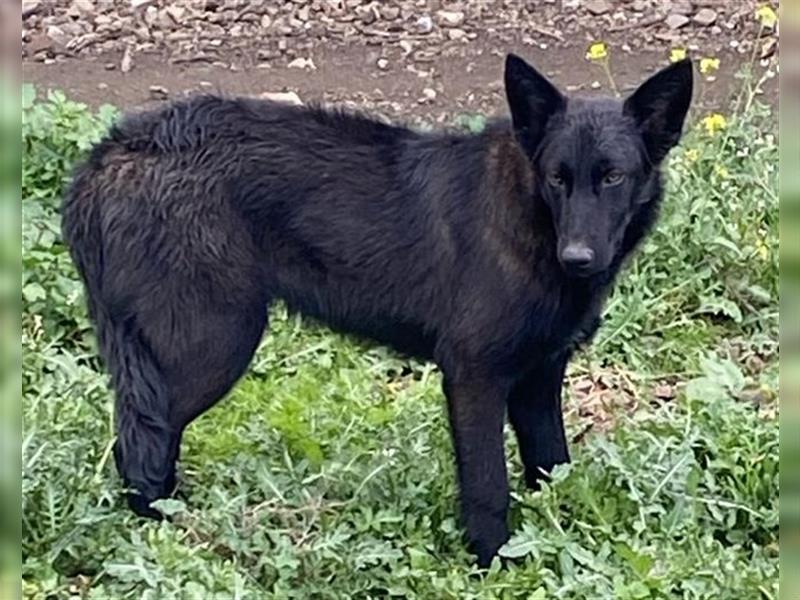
490 254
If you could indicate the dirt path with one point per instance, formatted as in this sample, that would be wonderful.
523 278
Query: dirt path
409 59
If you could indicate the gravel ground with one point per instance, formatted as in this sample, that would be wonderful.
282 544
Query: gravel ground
420 58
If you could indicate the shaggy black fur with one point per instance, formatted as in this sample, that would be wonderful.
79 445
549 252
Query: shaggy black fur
489 254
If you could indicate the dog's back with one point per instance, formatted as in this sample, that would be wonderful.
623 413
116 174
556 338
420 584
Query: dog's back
241 201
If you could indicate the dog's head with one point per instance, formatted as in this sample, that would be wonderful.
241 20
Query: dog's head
596 161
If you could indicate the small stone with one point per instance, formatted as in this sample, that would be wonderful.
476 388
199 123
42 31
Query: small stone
705 17
382 63
266 21
365 14
176 13
595 85
429 93
681 7
390 13
110 66
664 391
57 35
40 44
158 92
73 28
450 18
135 4
425 24
407 47
84 7
456 34
302 63
126 64
267 54
768 48
150 15
639 5
757 397
164 20
284 97
597 7
30 7
676 21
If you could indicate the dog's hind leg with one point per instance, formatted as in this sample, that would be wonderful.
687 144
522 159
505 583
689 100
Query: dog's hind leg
222 346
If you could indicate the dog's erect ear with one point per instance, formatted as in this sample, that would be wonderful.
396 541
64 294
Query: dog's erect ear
659 107
532 100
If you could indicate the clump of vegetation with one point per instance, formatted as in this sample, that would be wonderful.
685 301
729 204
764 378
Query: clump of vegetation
328 471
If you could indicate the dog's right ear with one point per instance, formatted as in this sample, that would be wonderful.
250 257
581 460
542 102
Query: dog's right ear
532 100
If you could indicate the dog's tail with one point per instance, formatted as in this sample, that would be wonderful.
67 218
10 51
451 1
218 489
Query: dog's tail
146 445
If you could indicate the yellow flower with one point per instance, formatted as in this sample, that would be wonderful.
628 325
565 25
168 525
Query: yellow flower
721 171
714 122
763 251
709 65
692 154
677 54
767 16
597 51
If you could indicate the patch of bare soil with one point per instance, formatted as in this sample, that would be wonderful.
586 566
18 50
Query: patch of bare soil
408 59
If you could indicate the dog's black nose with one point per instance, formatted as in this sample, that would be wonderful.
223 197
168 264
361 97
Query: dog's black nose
577 256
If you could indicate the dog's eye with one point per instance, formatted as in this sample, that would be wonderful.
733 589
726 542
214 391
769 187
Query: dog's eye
613 178
555 180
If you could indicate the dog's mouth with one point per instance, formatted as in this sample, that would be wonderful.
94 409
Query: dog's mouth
579 271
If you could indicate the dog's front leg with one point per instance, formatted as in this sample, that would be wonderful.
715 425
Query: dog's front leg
534 409
477 411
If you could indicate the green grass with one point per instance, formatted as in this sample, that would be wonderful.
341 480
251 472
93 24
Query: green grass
328 472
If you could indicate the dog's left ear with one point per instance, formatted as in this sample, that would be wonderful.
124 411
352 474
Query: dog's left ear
659 107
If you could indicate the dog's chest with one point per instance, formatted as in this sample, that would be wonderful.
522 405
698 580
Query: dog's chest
559 323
